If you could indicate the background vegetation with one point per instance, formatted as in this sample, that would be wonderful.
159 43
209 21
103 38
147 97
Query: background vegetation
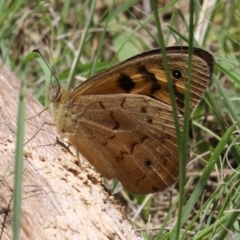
87 37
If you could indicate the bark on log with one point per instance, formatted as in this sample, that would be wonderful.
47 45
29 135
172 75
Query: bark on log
60 199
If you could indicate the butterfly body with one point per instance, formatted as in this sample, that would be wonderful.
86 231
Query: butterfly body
122 121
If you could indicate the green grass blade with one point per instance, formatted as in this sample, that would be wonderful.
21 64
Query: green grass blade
80 48
167 71
205 176
101 41
185 137
19 159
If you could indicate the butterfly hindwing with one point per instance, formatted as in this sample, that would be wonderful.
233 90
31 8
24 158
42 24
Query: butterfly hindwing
134 133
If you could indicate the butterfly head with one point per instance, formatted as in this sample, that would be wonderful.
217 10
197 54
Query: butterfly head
54 93
58 95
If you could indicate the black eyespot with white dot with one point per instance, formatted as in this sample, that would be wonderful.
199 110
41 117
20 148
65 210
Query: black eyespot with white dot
148 163
176 74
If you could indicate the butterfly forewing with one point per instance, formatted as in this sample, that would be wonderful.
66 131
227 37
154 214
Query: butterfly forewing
144 74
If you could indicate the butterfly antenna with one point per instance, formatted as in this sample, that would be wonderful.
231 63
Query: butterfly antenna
50 52
55 76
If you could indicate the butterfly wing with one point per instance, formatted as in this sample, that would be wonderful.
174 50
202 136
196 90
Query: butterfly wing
129 137
121 120
144 74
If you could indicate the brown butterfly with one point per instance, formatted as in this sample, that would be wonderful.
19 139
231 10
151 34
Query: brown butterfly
121 120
